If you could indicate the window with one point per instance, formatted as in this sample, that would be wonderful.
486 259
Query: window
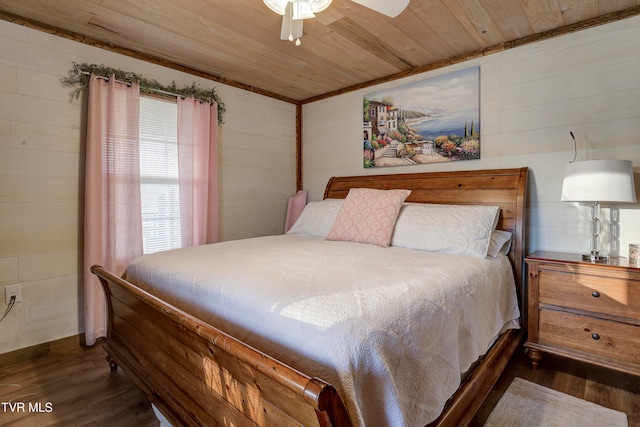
159 175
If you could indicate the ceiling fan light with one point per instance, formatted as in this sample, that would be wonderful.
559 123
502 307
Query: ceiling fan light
302 9
278 6
319 5
291 28
294 12
307 7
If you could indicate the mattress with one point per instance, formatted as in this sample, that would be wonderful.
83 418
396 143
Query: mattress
392 329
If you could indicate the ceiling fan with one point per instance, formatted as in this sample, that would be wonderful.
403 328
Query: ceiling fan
295 11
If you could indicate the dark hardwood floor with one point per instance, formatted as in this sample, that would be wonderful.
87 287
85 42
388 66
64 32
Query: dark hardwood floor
68 385
595 384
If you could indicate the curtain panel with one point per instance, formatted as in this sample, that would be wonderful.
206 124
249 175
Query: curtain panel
198 172
112 217
113 211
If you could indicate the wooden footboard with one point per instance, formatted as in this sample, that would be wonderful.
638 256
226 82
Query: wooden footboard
197 375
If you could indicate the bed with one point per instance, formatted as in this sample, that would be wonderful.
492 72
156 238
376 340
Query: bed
212 368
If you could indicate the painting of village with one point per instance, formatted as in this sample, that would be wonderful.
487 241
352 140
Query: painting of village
433 120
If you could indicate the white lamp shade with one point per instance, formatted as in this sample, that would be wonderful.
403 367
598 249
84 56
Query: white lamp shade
599 181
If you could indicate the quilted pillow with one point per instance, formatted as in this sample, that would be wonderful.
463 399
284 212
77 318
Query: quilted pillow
317 218
368 216
454 229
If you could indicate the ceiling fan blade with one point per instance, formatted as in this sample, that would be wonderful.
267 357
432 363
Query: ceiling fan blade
391 8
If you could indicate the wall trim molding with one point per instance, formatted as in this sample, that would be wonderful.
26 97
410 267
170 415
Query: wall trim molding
43 349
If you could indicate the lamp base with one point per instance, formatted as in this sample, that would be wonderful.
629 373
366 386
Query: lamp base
596 257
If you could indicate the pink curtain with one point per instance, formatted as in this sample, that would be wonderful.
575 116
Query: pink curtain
112 218
197 168
295 206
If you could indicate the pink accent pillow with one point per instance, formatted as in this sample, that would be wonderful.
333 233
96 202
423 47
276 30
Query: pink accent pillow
368 216
295 206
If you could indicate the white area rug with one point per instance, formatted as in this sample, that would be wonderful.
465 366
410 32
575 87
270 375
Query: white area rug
529 404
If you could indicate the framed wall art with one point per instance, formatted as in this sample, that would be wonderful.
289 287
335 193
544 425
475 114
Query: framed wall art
433 120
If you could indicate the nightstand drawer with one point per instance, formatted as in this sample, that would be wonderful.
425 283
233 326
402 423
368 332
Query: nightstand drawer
590 335
607 295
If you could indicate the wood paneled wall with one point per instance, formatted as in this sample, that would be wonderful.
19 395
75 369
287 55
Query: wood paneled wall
532 96
41 173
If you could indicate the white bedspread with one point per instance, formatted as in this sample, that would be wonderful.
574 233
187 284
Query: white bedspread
392 329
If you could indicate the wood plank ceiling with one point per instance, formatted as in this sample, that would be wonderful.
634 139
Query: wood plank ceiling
345 47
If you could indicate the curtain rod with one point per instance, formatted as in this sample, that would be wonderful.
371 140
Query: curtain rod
164 92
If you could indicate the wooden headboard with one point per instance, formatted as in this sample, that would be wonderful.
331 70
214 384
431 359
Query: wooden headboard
505 188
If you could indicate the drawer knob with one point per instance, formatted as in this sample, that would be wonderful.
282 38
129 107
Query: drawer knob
595 336
595 294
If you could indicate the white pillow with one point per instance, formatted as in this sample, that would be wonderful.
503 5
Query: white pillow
455 229
500 243
317 218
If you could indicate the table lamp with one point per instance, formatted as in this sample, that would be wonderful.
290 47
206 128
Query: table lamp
598 181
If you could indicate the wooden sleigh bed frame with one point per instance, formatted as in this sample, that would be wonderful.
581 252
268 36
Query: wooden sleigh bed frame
196 374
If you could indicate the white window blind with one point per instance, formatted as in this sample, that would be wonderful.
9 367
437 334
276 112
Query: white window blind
159 174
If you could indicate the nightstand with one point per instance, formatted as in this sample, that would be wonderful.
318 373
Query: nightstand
584 311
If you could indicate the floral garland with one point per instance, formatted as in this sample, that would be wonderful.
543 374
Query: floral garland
80 73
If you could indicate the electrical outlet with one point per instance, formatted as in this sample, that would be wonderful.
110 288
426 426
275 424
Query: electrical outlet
12 290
